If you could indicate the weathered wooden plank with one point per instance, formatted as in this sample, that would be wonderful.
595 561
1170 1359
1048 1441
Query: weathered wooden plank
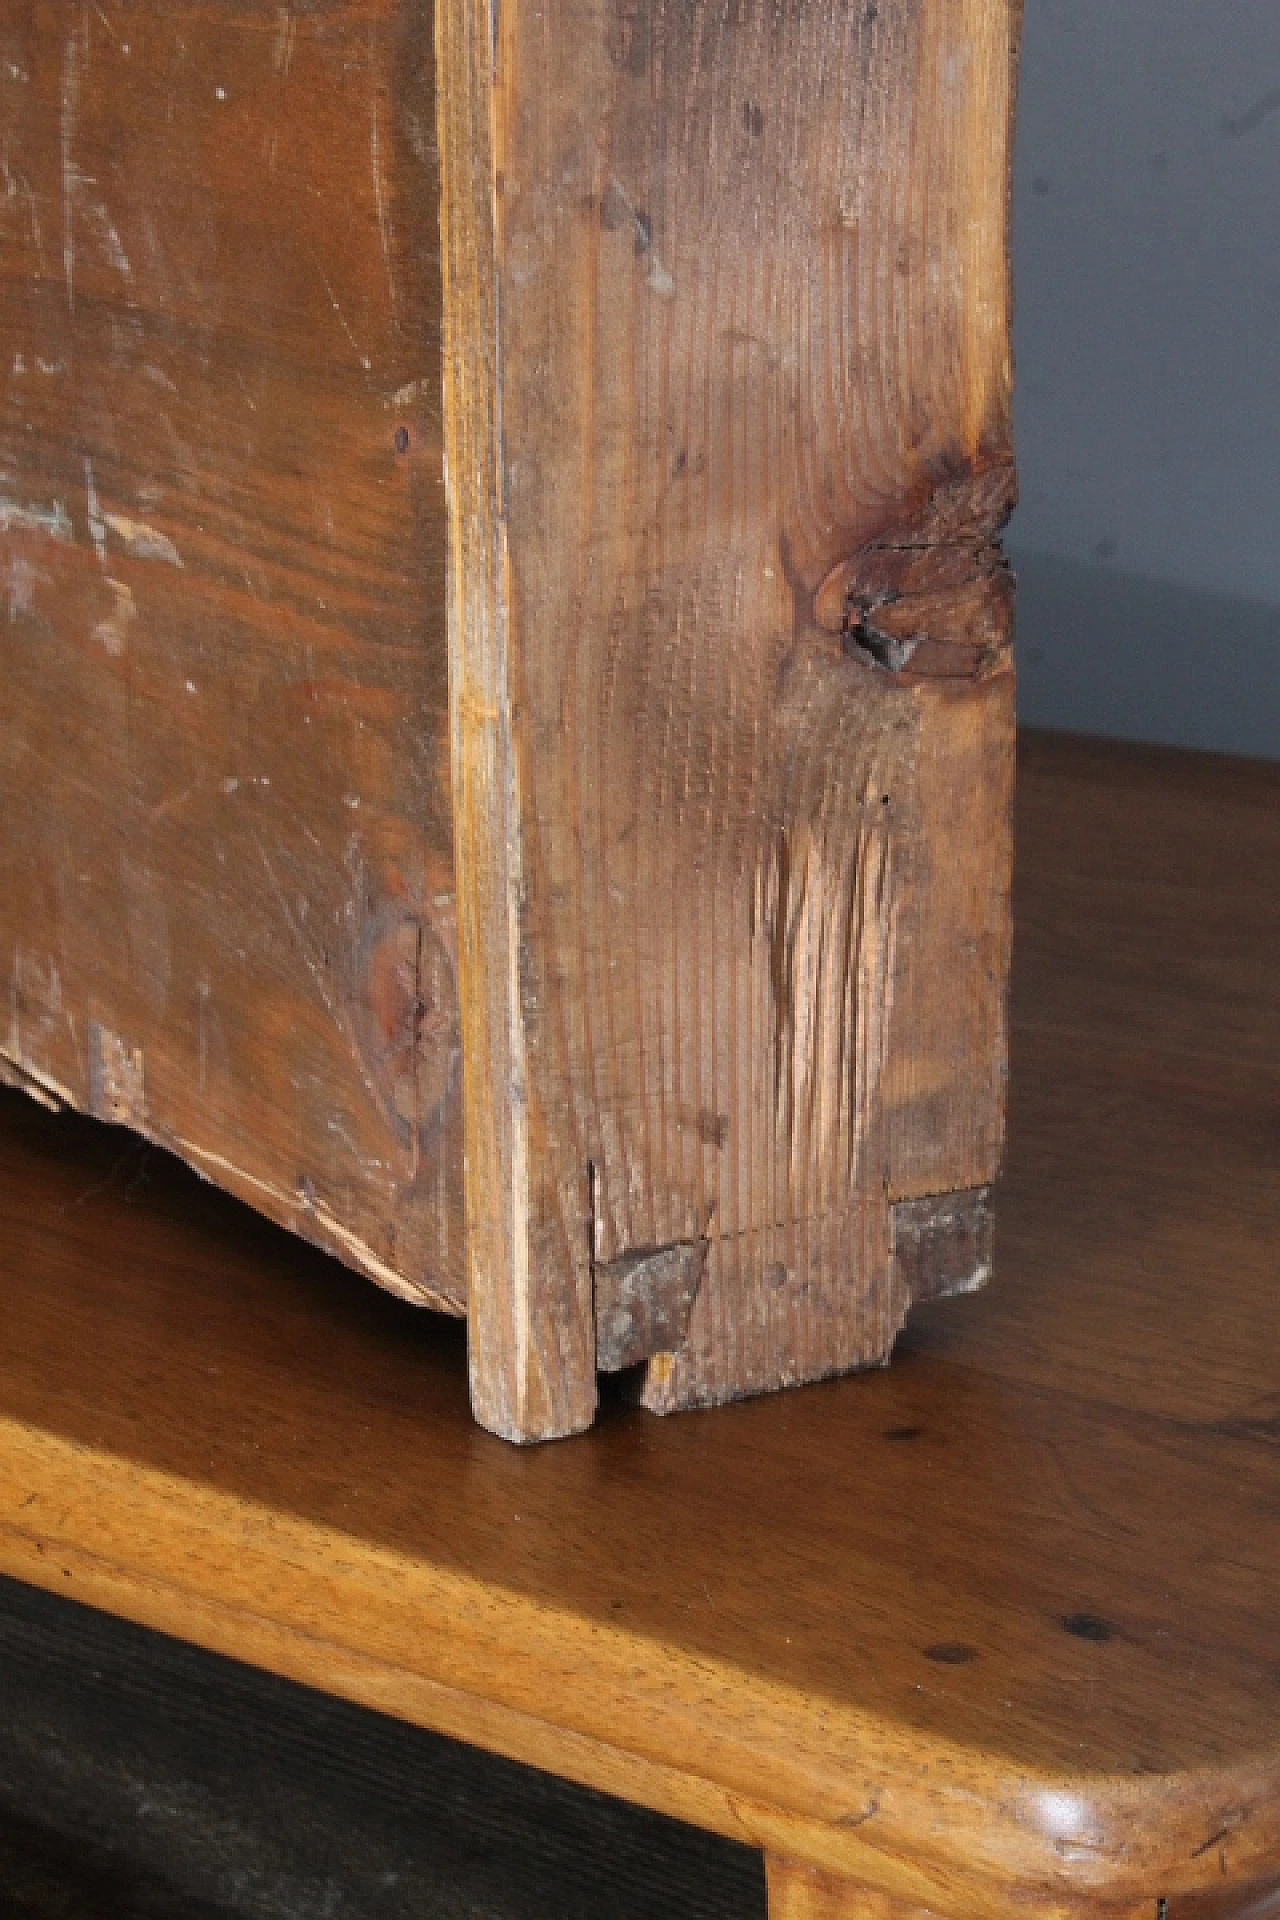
723 761
226 878
532 1343
733 698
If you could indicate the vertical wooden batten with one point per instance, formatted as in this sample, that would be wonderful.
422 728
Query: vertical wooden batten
727 426
531 1332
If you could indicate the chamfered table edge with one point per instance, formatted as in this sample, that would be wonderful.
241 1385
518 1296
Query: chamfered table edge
912 1816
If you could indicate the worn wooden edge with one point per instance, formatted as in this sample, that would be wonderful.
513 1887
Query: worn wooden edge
525 1385
37 1085
800 1892
940 1245
530 1333
920 1819
299 1211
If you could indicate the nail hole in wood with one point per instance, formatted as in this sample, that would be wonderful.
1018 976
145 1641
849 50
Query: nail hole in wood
1088 1626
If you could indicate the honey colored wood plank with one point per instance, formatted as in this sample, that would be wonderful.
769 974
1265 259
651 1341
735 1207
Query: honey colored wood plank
729 448
226 896
996 1626
807 1893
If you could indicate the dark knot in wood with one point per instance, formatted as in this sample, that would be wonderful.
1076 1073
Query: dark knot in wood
405 1019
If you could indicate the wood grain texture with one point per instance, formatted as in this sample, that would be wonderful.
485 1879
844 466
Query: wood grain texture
532 1340
798 1892
226 872
729 449
720 336
992 1630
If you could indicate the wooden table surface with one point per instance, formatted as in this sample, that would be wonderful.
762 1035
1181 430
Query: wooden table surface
998 1628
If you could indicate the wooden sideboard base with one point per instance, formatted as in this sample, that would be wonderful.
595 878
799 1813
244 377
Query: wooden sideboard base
800 1892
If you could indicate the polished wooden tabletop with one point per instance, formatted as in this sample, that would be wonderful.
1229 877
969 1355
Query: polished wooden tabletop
1000 1624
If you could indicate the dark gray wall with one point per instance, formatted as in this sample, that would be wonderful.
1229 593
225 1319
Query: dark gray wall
1147 263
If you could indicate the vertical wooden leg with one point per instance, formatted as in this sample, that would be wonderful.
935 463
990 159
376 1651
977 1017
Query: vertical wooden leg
728 451
529 1308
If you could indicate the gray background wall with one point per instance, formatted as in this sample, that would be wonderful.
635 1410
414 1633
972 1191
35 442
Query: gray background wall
1147 332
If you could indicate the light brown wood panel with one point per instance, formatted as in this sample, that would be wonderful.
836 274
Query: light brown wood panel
226 871
729 437
994 1629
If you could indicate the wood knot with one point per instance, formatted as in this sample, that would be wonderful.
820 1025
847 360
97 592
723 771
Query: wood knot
934 612
405 1018
931 596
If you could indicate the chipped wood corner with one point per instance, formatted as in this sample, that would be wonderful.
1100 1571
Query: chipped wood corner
943 1243
643 1302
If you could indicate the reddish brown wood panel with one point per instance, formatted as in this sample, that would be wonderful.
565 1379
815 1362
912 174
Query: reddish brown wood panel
226 896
